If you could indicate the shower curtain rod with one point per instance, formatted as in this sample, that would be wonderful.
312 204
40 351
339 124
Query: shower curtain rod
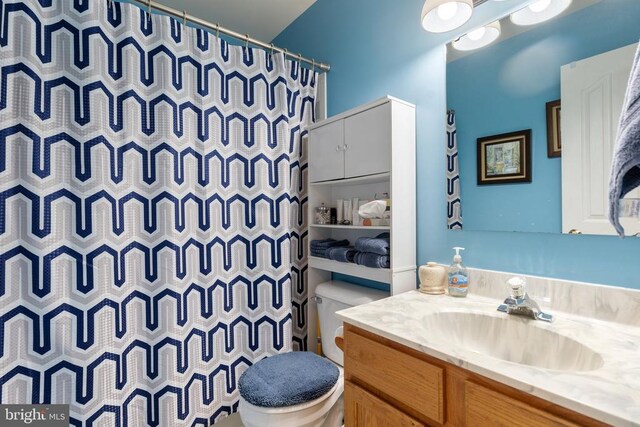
151 5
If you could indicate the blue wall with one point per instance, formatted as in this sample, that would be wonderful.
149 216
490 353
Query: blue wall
377 47
519 76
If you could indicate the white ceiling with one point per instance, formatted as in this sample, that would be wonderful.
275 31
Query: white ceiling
261 19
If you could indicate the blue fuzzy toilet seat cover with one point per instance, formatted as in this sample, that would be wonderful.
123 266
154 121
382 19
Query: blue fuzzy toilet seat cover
288 379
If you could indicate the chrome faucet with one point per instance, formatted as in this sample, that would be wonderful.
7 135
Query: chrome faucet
520 303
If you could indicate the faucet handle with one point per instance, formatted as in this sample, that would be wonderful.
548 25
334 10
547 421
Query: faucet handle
517 286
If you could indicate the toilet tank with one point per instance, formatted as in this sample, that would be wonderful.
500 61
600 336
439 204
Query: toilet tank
336 295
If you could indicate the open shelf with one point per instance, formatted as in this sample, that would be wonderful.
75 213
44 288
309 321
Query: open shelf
377 274
353 227
367 179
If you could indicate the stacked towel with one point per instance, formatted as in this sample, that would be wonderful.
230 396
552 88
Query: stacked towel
372 260
375 245
319 247
342 253
369 251
373 251
625 166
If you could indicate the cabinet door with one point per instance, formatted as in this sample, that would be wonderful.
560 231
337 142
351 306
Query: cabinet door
484 407
417 384
363 409
326 152
367 136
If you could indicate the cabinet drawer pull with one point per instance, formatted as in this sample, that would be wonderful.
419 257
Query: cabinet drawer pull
338 148
346 147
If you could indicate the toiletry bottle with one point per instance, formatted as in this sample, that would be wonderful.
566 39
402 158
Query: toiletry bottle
457 276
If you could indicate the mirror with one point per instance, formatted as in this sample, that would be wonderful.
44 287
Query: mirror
517 159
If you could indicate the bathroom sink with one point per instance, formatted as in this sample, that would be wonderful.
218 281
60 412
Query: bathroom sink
514 339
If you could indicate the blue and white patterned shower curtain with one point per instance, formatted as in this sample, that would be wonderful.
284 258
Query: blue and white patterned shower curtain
151 212
454 203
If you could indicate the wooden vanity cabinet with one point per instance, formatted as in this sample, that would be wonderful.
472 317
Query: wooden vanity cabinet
388 384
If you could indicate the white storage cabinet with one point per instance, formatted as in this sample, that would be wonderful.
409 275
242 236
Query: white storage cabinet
364 152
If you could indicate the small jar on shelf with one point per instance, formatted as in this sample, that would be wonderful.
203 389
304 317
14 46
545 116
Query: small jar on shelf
323 215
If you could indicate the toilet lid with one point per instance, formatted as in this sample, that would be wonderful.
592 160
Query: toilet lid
288 379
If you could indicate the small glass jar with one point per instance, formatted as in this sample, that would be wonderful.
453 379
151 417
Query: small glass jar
323 215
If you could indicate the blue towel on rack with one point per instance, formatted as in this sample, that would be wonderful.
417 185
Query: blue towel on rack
625 166
377 245
372 260
342 254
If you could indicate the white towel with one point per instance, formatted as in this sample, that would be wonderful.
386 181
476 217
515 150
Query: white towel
373 209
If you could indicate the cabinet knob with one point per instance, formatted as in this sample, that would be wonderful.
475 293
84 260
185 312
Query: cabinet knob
346 147
575 231
337 148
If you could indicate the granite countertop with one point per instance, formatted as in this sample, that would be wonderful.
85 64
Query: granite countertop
610 393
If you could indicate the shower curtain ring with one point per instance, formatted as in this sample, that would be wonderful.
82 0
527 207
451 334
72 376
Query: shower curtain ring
184 18
246 41
271 44
313 65
217 30
300 59
148 10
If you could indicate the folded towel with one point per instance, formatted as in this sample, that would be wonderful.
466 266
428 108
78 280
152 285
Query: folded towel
319 247
328 243
321 242
322 253
372 260
625 166
342 254
377 245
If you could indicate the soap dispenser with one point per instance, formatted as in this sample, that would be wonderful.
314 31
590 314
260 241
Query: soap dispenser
457 276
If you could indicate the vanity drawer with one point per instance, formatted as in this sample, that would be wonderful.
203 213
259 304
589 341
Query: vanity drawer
366 410
401 377
487 407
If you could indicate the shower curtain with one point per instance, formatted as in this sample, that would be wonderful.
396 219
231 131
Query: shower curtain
454 203
152 204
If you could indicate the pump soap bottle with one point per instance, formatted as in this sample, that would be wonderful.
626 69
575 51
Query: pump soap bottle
457 276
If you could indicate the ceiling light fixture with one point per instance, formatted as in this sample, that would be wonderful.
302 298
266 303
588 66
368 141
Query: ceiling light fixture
439 16
478 38
539 11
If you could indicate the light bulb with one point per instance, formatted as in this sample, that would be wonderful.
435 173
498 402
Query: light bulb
447 11
540 5
539 11
480 37
477 34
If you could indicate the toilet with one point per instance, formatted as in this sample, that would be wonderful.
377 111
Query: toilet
331 297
